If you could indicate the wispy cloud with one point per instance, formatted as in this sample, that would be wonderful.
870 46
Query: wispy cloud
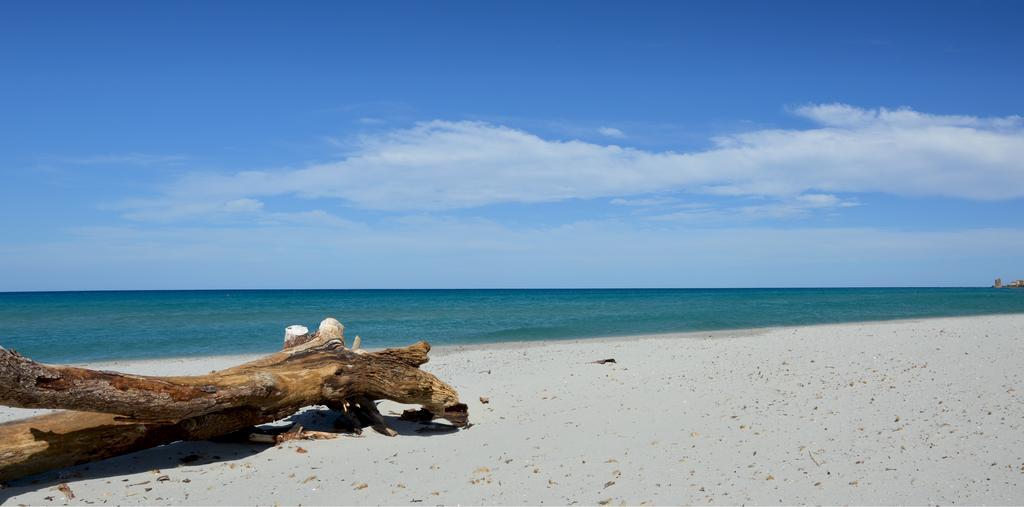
643 202
611 132
139 159
235 211
844 115
717 214
442 165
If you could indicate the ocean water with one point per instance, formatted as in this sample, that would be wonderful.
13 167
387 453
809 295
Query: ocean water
90 326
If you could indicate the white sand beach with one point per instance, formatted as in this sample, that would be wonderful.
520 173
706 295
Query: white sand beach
906 412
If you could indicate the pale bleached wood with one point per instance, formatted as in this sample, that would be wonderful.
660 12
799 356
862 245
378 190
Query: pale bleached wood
295 334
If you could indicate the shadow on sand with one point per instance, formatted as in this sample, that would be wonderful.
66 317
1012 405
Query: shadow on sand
184 454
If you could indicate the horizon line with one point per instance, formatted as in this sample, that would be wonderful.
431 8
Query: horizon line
410 289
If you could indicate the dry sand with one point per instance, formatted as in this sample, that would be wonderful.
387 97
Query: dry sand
918 412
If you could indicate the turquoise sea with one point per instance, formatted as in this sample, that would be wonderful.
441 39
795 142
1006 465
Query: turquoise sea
89 326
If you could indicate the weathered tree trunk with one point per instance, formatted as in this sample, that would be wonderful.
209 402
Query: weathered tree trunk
114 413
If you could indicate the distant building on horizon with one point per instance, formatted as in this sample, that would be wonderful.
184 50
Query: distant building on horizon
1016 284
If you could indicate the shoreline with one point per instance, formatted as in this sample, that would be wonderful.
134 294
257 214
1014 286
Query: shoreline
920 411
438 350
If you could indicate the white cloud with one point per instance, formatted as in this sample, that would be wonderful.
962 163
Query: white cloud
611 132
449 165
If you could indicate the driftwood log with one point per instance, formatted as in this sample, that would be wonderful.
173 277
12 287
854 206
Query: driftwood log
109 413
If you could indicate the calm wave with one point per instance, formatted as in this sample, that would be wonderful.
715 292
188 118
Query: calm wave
89 326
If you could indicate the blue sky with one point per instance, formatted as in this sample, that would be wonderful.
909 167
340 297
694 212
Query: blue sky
149 145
